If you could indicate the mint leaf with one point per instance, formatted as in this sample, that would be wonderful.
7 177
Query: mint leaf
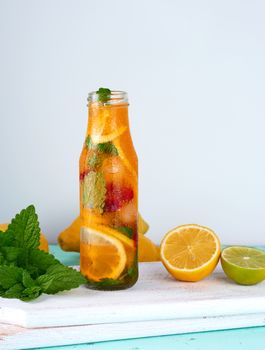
9 276
108 148
94 191
14 291
128 231
27 281
10 254
6 238
39 262
30 293
59 278
88 142
25 229
94 161
133 270
103 94
2 291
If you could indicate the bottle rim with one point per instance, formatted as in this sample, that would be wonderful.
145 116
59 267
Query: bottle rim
116 97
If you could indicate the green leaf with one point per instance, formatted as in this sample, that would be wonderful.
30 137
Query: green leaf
103 94
108 148
6 238
25 229
88 142
39 262
2 259
59 278
9 276
11 254
30 293
132 271
27 281
94 160
14 291
2 291
127 231
94 191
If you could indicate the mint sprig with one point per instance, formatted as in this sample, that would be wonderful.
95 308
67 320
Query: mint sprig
25 271
103 94
106 147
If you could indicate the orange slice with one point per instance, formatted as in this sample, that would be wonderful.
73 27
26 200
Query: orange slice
103 138
113 233
125 158
102 256
190 252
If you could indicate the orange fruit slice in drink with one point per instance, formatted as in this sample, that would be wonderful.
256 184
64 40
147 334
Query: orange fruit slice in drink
128 242
190 252
102 256
128 158
103 129
103 138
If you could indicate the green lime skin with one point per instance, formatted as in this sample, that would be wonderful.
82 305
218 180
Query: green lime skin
244 265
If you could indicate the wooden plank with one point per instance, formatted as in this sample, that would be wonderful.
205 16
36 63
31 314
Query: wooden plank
155 297
29 338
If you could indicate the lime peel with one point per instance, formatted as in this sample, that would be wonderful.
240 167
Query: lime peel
244 265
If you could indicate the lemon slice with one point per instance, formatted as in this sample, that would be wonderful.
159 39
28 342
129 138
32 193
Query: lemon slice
190 252
101 256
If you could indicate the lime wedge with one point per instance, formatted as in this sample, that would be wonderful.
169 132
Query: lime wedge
244 265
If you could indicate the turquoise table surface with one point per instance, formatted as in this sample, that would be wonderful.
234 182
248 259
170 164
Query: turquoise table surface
244 338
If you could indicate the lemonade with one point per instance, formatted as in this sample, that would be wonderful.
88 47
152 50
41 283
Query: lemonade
108 194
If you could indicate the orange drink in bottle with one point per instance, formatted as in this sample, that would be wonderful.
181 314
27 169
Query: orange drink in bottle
108 194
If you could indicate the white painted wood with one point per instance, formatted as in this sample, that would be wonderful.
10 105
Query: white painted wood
156 305
15 337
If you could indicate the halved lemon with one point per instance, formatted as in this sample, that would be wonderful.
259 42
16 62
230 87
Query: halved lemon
101 256
190 252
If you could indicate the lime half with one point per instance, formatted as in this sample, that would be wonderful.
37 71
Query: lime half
244 265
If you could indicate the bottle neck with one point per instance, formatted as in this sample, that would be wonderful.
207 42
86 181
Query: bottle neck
105 120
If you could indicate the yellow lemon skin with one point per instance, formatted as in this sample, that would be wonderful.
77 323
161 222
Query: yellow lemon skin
147 250
69 239
44 245
143 226
190 252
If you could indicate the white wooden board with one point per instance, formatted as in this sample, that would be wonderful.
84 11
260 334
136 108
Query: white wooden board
156 305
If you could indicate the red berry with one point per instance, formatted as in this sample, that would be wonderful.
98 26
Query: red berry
83 174
117 196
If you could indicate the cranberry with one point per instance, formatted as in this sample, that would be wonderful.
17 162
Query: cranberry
117 196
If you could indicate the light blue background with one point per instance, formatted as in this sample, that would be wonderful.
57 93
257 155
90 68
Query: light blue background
195 74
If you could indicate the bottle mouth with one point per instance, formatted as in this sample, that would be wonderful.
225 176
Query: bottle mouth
115 97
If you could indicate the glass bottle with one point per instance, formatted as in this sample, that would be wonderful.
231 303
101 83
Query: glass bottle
108 194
